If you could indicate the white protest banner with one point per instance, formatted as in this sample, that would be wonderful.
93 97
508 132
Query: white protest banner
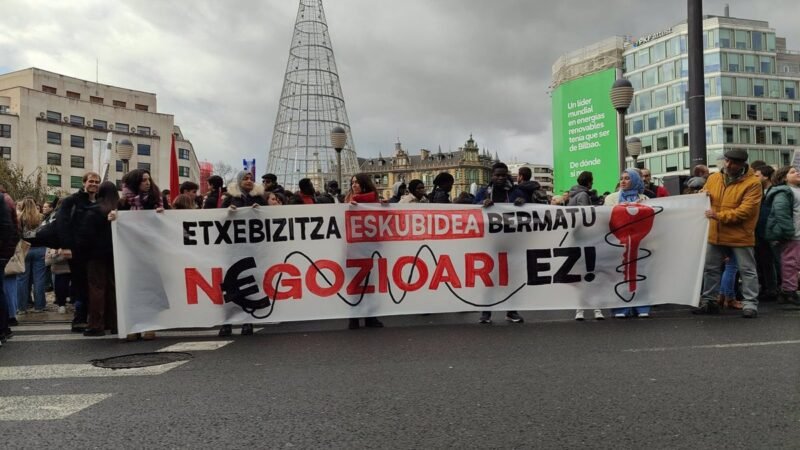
287 263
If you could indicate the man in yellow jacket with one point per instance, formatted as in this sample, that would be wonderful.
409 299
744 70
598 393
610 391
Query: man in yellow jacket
735 194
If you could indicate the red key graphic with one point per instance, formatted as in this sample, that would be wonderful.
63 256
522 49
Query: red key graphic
630 223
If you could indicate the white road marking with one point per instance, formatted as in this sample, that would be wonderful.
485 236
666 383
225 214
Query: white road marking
712 346
79 336
195 346
50 371
45 327
46 407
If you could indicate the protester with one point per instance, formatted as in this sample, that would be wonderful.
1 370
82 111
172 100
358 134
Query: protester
184 201
783 226
631 190
165 194
499 190
270 184
9 237
189 188
362 190
416 193
68 219
765 254
307 191
528 190
398 191
140 193
652 190
442 185
243 192
275 199
332 193
215 195
59 267
465 198
102 287
580 195
735 195
35 270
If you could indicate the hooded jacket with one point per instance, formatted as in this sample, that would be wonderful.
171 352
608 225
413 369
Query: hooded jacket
737 204
529 190
579 196
239 199
780 223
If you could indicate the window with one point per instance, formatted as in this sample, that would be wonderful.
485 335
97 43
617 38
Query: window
757 39
53 180
73 95
768 111
142 107
735 62
123 127
770 42
76 141
776 135
76 182
76 161
745 134
790 89
53 159
752 111
728 133
758 87
677 138
750 63
659 97
184 172
143 165
774 88
727 86
143 130
119 166
676 46
183 153
783 112
652 121
662 142
5 131
711 62
99 124
644 101
650 77
761 135
796 113
742 39
684 67
767 64
724 38
659 51
5 153
48 89
636 81
647 144
736 110
53 138
672 162
143 149
637 126
743 87
668 118
713 110
791 137
643 58
94 99
630 63
53 116
667 72
77 120
118 103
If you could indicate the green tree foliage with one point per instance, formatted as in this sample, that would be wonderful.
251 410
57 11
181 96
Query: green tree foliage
19 186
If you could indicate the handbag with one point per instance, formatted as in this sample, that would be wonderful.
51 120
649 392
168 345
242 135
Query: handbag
16 265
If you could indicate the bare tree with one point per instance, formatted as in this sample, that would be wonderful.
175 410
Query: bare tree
224 170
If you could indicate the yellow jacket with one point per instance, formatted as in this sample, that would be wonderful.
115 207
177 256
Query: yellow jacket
737 206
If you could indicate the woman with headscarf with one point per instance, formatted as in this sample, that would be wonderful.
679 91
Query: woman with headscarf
631 190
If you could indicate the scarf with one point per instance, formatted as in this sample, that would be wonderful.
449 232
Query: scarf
637 187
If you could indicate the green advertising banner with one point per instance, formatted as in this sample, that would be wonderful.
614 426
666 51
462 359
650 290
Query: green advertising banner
585 132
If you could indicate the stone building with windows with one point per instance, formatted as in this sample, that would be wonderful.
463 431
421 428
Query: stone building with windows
49 121
468 165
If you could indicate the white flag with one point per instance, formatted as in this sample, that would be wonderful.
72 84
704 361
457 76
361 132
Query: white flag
106 156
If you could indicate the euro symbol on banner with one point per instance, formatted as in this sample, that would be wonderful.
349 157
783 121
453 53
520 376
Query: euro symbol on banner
237 290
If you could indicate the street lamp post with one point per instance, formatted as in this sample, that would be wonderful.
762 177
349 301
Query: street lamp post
634 150
125 152
621 96
338 141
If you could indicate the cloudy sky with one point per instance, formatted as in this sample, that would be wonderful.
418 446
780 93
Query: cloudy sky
427 71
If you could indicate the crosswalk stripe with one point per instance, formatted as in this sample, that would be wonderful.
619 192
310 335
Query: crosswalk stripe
50 371
46 407
79 336
195 346
45 327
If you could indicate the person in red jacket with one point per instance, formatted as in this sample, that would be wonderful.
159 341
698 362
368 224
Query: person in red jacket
362 190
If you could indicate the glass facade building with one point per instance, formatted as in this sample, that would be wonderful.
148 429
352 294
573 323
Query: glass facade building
751 89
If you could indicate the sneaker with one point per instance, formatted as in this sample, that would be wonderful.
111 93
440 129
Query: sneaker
225 331
62 309
78 327
579 315
486 317
22 313
514 317
789 298
598 315
643 315
749 313
620 316
706 308
133 337
373 322
247 329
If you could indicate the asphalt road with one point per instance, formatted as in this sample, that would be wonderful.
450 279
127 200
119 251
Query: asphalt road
672 381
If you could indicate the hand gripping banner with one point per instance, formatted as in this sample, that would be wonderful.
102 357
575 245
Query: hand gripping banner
287 263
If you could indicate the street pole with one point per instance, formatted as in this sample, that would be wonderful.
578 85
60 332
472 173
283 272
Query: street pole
621 140
339 168
338 141
621 97
697 100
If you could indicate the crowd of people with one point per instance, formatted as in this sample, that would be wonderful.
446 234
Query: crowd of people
754 232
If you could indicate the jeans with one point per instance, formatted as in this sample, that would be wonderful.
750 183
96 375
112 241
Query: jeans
728 288
4 329
790 265
34 267
765 258
630 311
10 292
747 269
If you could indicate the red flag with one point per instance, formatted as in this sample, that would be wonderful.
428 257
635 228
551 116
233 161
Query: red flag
174 181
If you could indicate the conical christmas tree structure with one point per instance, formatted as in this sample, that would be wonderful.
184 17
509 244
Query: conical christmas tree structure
311 105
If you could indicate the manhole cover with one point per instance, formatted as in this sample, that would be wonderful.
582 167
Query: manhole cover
136 360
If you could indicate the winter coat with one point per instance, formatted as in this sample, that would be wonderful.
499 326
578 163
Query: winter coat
239 199
213 198
530 191
780 221
410 198
439 196
490 191
737 205
366 197
396 197
9 235
95 224
612 199
579 196
68 220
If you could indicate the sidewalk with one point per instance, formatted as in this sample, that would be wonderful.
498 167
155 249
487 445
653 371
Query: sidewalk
50 314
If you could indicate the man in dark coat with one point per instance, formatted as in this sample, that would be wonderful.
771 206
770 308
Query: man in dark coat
8 244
